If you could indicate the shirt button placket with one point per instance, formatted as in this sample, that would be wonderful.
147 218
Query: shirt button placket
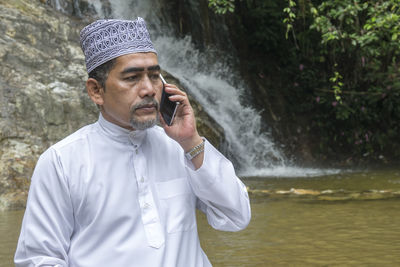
148 209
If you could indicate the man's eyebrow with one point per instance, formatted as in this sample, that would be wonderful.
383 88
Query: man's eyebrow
155 67
139 69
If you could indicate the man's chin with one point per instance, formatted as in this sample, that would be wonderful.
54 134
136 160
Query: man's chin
143 124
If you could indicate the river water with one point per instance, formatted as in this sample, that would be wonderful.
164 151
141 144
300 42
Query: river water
350 219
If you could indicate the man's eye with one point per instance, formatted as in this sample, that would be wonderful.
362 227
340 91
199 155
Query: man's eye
155 77
131 78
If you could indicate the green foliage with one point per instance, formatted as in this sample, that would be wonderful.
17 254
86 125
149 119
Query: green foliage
337 85
261 32
222 6
358 45
336 62
290 18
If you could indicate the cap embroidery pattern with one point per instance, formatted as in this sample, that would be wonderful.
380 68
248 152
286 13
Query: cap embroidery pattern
104 40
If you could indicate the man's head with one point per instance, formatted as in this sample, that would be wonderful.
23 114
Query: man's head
123 72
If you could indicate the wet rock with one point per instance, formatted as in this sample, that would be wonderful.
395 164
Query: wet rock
13 200
324 195
304 192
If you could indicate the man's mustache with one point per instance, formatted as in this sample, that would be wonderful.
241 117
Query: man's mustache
146 102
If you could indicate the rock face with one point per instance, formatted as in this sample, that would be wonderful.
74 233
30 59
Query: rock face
43 98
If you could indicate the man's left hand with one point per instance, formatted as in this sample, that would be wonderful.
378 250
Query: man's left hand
183 129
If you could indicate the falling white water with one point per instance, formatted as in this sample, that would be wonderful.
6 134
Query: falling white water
213 87
57 5
216 88
98 6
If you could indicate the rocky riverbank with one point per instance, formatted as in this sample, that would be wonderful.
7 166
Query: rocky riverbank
323 195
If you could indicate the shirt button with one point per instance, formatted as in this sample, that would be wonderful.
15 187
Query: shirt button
146 205
142 180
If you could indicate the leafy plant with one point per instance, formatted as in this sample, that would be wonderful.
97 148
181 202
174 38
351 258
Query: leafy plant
336 61
222 6
358 44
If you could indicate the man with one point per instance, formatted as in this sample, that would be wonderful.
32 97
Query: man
122 191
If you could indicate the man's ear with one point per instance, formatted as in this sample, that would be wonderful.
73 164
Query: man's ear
95 91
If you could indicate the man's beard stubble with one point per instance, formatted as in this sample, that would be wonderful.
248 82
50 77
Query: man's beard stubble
143 125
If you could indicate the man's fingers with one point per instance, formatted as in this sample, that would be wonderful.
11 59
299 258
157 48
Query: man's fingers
178 98
177 95
173 90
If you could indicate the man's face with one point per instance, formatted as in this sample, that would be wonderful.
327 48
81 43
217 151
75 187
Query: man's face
133 90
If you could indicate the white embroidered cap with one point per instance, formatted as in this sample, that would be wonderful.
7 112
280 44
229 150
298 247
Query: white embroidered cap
107 39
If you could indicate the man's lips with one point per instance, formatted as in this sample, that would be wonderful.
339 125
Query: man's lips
149 107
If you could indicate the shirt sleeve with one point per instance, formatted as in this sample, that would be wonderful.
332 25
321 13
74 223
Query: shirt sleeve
48 221
221 195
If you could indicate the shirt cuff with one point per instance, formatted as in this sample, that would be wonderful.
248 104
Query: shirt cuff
209 170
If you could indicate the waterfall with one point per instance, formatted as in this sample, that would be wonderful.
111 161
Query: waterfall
217 87
68 7
57 5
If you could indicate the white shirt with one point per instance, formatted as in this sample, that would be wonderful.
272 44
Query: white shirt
107 196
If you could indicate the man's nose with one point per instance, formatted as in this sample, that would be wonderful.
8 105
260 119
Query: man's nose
147 87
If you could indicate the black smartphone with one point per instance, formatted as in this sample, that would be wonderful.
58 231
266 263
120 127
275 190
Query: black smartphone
167 107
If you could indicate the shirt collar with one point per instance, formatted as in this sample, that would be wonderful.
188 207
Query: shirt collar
120 134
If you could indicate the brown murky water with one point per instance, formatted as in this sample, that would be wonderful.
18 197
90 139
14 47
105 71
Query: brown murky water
340 220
